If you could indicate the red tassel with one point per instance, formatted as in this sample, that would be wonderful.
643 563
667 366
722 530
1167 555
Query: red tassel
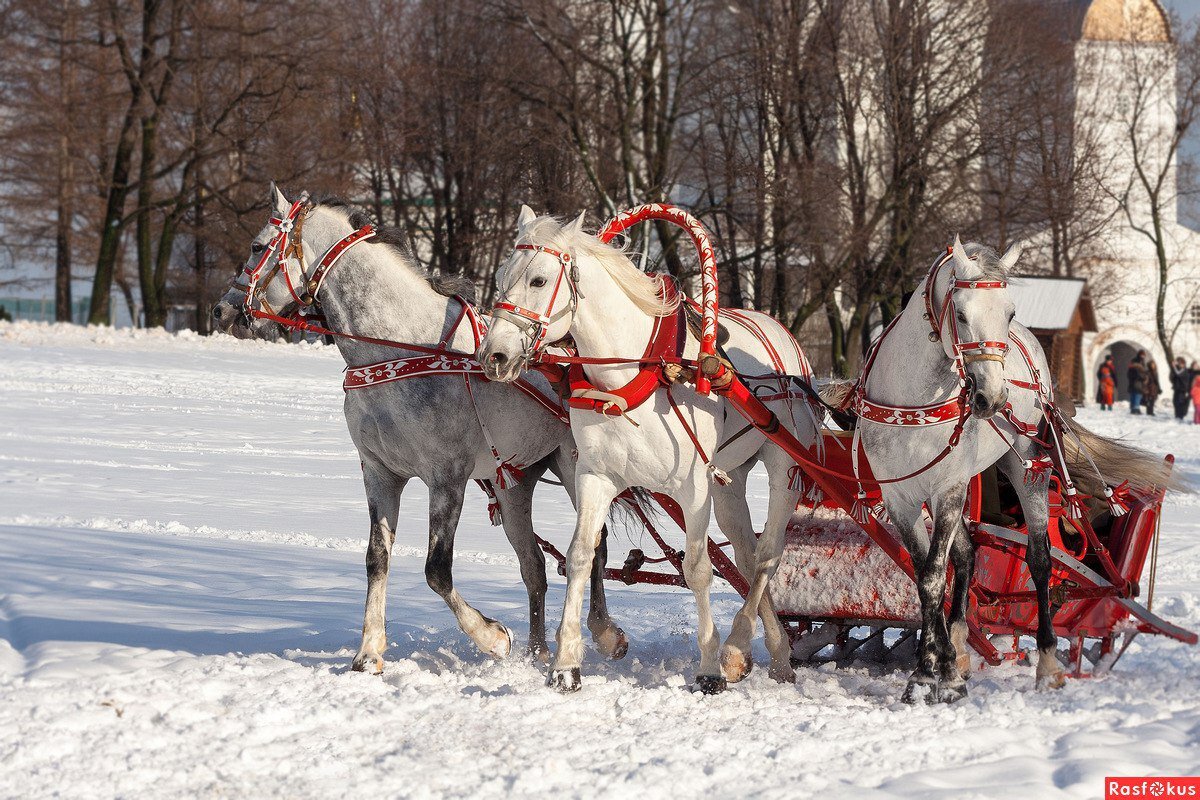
1035 469
859 510
880 512
494 514
796 479
1075 507
1118 499
718 475
508 474
814 496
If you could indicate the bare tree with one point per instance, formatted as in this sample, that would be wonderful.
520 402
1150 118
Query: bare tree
1163 80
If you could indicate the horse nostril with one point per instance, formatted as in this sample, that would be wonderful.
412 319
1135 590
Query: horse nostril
218 312
981 403
497 358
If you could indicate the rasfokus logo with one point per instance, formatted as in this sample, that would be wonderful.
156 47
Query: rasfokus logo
1151 787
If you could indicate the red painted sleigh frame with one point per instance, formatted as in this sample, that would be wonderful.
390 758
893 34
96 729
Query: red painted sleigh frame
1094 587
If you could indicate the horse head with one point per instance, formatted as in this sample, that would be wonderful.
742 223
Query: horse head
257 288
538 293
973 320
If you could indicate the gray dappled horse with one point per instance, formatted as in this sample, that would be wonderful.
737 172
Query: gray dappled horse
958 342
428 427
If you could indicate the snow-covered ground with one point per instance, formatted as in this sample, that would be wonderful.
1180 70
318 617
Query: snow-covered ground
182 532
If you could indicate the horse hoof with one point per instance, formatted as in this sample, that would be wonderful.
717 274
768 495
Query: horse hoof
368 662
735 663
782 673
711 684
612 643
918 690
565 681
540 653
1048 683
951 693
964 666
501 646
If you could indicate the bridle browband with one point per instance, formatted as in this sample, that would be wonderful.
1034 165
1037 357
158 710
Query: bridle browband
532 323
288 243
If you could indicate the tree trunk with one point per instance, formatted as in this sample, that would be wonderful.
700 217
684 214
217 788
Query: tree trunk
111 224
152 303
66 177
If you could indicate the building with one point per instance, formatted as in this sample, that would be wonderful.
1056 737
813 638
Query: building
1059 312
1125 79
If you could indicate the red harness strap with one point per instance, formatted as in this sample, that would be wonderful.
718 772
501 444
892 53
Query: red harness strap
665 345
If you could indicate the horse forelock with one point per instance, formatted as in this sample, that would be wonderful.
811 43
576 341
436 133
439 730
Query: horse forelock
987 262
394 238
644 290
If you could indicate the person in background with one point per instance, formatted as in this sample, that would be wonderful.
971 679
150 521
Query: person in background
1153 387
1181 386
1137 382
1106 383
1196 393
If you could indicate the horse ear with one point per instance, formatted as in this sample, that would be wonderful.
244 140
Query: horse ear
278 201
577 225
1009 259
525 218
960 254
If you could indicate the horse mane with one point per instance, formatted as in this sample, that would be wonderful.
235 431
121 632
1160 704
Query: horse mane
644 290
394 238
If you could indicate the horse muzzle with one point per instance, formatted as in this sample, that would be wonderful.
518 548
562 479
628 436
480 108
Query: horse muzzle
501 366
985 404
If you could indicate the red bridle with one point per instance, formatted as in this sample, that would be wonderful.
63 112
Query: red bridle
963 353
532 323
287 243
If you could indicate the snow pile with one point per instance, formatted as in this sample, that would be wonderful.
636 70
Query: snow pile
181 590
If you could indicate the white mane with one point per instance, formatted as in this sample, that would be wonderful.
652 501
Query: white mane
644 290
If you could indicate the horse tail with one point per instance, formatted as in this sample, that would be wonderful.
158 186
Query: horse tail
1117 462
836 393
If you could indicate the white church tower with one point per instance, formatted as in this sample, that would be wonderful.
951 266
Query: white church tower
1125 92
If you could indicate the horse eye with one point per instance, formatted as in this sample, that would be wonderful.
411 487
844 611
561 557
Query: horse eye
962 318
257 248
537 283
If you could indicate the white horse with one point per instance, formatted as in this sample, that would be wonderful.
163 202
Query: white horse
563 282
957 341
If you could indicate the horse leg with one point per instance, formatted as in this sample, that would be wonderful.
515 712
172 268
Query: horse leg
445 507
594 494
1035 504
516 507
697 571
962 556
735 654
608 636
909 522
383 503
937 652
733 518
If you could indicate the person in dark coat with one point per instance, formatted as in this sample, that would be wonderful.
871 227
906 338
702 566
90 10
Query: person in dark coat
1106 383
1181 387
1153 387
1136 374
